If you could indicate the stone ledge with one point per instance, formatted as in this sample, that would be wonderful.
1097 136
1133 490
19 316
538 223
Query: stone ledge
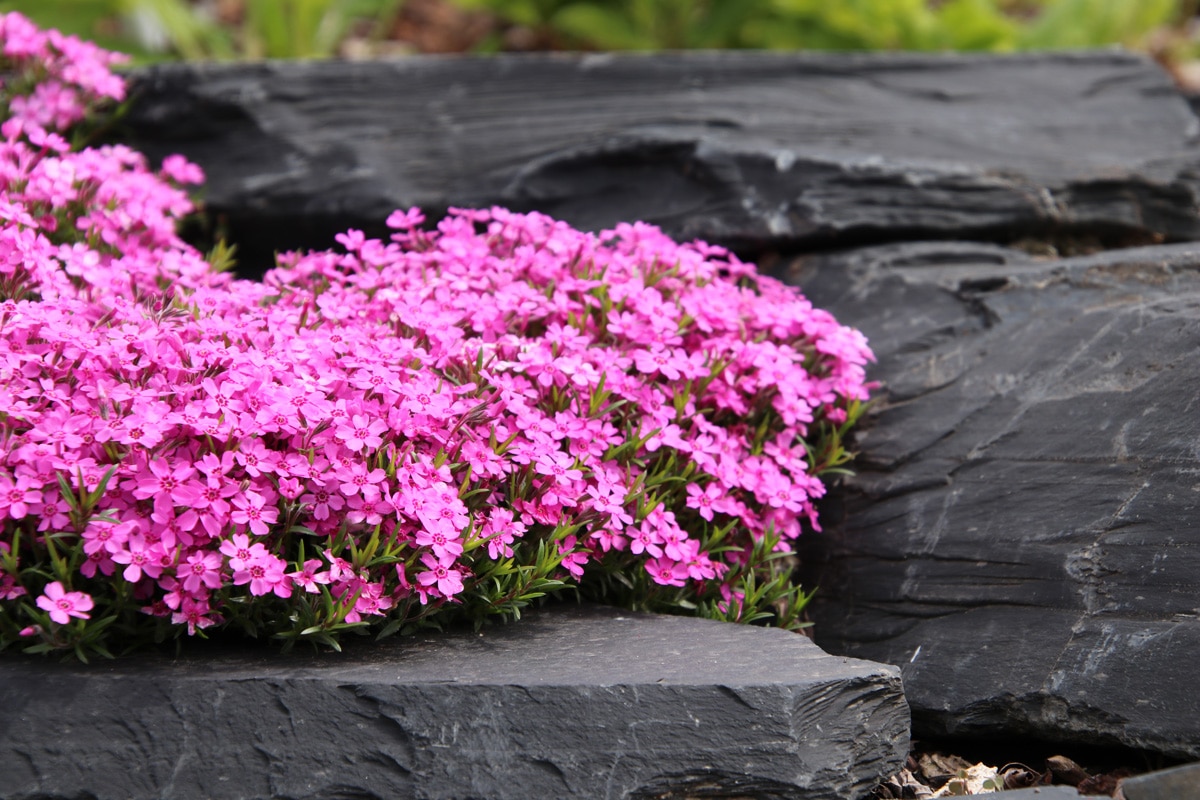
569 702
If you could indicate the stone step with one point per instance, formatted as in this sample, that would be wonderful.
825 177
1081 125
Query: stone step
571 702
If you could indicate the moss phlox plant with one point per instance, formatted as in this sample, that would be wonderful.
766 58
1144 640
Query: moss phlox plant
388 434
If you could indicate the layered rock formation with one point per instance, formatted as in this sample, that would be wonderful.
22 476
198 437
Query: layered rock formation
1020 539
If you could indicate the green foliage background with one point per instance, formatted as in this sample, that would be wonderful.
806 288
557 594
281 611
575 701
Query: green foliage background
156 29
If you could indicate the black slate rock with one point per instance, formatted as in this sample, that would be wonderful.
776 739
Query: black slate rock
1180 783
756 150
568 703
1021 538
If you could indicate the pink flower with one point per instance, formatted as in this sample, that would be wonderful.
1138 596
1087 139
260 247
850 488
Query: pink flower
323 501
17 498
9 588
573 560
559 466
252 510
166 485
441 573
194 612
309 578
357 478
265 574
140 557
360 432
241 553
702 499
63 605
180 170
666 572
201 570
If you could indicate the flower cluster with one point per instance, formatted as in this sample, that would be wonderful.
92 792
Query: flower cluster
455 421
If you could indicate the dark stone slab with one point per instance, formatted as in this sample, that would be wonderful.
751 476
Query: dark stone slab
1047 793
1181 783
1021 538
570 702
757 150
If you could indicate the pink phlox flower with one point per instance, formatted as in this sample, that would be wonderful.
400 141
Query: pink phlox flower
703 499
500 531
377 378
240 552
252 510
644 539
144 427
180 170
786 524
666 572
352 240
222 398
290 488
213 465
323 500
483 460
670 435
339 568
558 465
9 588
368 510
789 453
565 425
310 577
441 573
256 458
140 557
731 600
278 417
357 478
19 498
371 601
361 432
212 503
54 514
97 561
609 538
202 569
676 544
105 535
439 508
572 560
196 614
266 574
166 485
424 398
63 605
444 544
777 491
406 588
610 500
659 360
405 220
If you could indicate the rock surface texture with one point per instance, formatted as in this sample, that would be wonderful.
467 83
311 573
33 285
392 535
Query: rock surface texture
752 149
570 702
1021 537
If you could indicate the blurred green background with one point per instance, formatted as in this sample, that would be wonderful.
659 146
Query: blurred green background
252 29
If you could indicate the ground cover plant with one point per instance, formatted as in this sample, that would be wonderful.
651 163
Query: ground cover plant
385 435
